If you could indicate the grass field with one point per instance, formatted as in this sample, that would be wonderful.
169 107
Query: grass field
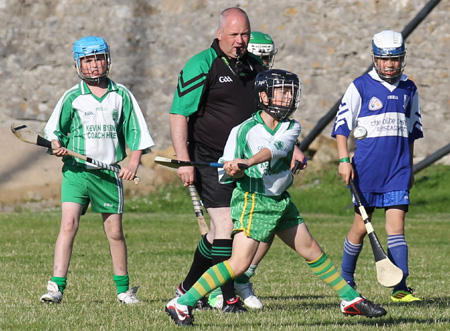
161 244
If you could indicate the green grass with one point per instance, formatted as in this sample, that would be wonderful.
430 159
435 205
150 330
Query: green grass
161 245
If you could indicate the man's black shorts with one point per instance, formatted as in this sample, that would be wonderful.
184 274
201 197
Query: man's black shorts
212 193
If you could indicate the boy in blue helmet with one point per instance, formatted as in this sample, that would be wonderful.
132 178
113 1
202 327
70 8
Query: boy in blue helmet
384 104
261 206
97 118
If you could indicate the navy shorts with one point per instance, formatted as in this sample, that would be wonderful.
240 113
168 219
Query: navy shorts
212 193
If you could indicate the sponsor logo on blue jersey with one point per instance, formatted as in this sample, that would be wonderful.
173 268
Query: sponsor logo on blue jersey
375 104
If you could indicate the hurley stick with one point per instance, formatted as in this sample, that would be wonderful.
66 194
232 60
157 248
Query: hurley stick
29 136
388 274
202 225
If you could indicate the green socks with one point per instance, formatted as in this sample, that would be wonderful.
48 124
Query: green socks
61 282
245 277
324 268
214 277
122 283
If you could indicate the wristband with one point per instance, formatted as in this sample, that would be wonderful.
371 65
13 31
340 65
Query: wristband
344 160
297 143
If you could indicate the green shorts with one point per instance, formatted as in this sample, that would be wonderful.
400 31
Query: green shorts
102 188
261 216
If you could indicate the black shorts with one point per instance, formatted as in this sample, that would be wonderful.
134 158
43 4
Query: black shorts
212 193
370 210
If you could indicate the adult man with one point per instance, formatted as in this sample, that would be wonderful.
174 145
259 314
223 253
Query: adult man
214 94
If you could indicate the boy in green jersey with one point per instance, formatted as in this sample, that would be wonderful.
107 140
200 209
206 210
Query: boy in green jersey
260 205
97 118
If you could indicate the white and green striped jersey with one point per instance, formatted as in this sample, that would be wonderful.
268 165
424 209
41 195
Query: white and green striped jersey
270 178
99 128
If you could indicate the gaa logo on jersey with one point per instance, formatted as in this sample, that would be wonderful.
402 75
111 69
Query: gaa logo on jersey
225 79
375 104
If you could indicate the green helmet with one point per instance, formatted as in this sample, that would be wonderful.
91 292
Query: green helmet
262 45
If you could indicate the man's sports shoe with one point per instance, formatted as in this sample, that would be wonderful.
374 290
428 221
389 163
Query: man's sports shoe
362 306
215 299
53 294
233 306
404 296
128 297
245 291
201 304
181 314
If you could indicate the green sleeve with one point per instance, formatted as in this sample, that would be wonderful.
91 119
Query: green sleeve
192 82
64 125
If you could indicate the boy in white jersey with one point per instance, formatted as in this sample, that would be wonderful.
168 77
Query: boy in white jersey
97 118
384 104
260 205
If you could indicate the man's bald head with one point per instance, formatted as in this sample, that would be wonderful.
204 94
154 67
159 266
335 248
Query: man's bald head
233 32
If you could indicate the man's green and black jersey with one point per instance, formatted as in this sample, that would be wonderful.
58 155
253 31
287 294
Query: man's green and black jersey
216 94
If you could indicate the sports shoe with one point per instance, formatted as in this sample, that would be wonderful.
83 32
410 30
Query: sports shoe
201 304
362 306
215 299
179 292
53 294
404 296
233 306
181 314
128 297
245 291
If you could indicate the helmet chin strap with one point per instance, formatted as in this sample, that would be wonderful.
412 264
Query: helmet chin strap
97 80
390 80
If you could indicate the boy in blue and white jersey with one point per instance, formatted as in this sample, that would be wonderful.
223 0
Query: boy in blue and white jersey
261 206
97 118
384 105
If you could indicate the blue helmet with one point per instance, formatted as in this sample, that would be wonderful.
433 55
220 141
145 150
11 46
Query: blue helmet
89 46
266 81
389 45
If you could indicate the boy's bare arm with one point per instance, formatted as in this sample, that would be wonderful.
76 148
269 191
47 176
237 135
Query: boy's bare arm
345 167
232 167
129 172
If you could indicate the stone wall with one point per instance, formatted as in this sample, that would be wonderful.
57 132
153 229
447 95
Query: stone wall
327 43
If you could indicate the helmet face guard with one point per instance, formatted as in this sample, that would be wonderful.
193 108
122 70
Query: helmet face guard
262 45
389 45
91 47
287 83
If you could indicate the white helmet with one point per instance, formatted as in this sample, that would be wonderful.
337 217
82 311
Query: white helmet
389 45
262 45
